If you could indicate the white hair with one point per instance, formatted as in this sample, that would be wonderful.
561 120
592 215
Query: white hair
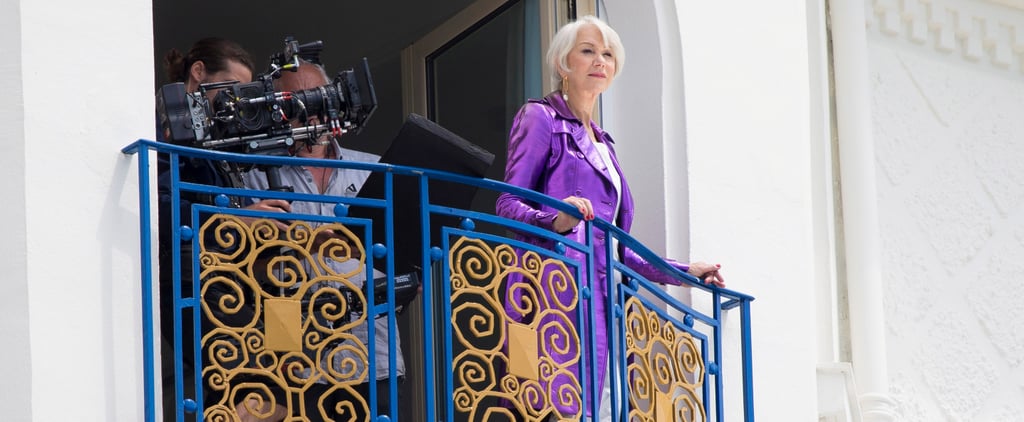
565 40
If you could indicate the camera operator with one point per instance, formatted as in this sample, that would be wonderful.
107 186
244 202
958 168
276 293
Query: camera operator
209 60
333 182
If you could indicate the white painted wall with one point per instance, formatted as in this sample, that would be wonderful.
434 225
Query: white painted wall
948 92
84 91
15 391
747 96
642 138
947 95
748 161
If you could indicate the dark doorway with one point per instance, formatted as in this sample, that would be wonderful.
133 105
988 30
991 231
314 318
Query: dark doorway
377 30
478 78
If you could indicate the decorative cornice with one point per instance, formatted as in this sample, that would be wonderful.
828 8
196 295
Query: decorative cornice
990 31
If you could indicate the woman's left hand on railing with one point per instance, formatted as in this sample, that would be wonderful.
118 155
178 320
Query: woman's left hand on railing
710 273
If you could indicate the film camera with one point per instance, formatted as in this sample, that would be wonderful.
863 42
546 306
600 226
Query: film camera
253 118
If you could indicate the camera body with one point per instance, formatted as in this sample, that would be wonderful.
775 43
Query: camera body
254 118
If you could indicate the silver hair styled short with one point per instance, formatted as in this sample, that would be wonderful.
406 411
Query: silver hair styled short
565 40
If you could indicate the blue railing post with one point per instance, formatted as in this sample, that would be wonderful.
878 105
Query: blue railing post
430 376
146 239
716 299
748 364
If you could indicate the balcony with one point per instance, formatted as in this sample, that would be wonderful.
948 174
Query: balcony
276 326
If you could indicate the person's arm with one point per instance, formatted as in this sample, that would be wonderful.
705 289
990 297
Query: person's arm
702 270
529 146
256 179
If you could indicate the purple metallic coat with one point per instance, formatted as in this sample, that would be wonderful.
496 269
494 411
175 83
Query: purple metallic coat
549 152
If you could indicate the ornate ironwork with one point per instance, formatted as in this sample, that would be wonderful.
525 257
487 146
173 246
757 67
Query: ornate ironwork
279 303
516 346
274 325
665 371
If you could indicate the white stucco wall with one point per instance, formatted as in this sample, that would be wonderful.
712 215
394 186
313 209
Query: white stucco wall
948 112
86 86
747 96
643 139
746 131
946 103
16 391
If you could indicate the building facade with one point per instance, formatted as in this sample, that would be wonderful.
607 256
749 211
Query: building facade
852 165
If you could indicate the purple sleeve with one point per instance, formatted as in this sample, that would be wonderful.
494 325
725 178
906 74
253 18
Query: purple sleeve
529 146
649 271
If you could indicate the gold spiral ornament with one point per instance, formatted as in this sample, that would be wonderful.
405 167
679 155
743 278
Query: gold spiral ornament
477 263
666 372
255 275
223 347
510 385
561 340
515 341
506 256
464 400
264 231
523 297
282 271
219 413
230 235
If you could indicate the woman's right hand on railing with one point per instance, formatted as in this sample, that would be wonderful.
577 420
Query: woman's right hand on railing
565 222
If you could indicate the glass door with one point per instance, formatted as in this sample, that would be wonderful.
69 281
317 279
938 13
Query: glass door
471 75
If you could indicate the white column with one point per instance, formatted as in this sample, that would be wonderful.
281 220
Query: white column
78 79
641 142
744 65
860 209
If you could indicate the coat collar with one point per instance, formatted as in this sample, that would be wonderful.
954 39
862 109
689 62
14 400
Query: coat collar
555 101
579 136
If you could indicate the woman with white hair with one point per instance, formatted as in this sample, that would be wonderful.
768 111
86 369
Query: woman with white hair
556 148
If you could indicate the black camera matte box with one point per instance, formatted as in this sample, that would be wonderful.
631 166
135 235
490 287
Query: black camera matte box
425 144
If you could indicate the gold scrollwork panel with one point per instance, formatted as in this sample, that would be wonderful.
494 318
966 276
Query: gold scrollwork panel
278 311
515 346
665 371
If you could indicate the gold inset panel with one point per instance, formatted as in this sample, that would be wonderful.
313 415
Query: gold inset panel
515 346
664 368
522 351
282 320
278 309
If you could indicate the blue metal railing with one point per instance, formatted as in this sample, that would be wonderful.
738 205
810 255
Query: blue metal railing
662 352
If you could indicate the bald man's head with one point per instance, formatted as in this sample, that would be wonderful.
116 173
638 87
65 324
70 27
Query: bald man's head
307 76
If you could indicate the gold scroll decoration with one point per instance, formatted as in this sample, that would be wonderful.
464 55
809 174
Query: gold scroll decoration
277 304
515 346
664 367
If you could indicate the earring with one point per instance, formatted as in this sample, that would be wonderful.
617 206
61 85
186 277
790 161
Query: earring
565 88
